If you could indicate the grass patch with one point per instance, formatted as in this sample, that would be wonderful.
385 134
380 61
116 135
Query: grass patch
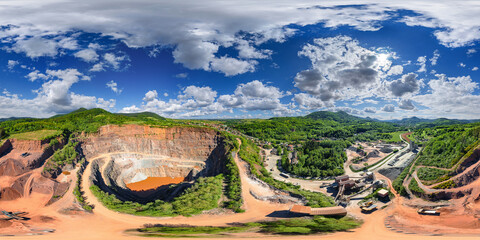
395 137
296 226
413 186
203 195
37 135
446 185
431 174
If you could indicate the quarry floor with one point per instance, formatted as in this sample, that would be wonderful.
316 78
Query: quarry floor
390 222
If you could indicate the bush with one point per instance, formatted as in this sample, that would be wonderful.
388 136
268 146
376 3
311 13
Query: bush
203 195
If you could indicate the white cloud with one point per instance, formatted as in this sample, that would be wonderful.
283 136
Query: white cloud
33 76
182 75
11 64
471 51
462 65
474 68
36 47
53 97
232 66
370 110
341 69
87 55
258 90
395 70
307 101
406 104
408 84
150 96
97 68
114 87
421 61
196 39
388 108
202 101
434 59
451 97
113 60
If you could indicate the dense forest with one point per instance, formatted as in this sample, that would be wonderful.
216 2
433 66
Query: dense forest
318 159
81 120
317 125
448 144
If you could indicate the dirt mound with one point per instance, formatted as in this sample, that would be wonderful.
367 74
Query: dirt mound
11 167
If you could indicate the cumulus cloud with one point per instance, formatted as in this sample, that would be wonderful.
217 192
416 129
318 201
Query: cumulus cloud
87 55
196 101
462 65
196 39
11 64
341 69
421 61
388 108
434 59
232 66
474 68
150 96
307 101
33 76
407 84
406 104
471 51
395 70
452 97
114 87
370 110
53 97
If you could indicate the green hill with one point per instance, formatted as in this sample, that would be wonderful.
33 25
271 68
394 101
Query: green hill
340 116
81 120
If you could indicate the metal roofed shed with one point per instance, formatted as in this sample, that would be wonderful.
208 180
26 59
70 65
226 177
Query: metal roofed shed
341 178
326 211
382 193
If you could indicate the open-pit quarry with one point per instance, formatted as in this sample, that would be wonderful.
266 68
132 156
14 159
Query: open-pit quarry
139 163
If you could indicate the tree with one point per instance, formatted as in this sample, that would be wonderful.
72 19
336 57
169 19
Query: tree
2 133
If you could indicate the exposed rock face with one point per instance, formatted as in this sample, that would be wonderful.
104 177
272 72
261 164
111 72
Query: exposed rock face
16 169
137 152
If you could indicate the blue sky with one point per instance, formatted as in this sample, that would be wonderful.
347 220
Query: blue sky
210 59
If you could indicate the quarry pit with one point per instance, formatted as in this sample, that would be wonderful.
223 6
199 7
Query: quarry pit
140 163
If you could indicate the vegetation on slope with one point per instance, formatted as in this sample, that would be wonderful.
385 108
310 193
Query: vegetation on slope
37 135
330 125
203 195
296 226
449 146
430 174
232 175
78 121
249 152
318 159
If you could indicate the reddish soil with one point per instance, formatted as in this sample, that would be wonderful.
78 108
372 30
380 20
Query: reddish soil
405 136
153 183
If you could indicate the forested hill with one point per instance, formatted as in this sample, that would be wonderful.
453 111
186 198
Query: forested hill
423 123
340 116
81 120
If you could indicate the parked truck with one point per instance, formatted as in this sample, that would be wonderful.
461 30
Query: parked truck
424 211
